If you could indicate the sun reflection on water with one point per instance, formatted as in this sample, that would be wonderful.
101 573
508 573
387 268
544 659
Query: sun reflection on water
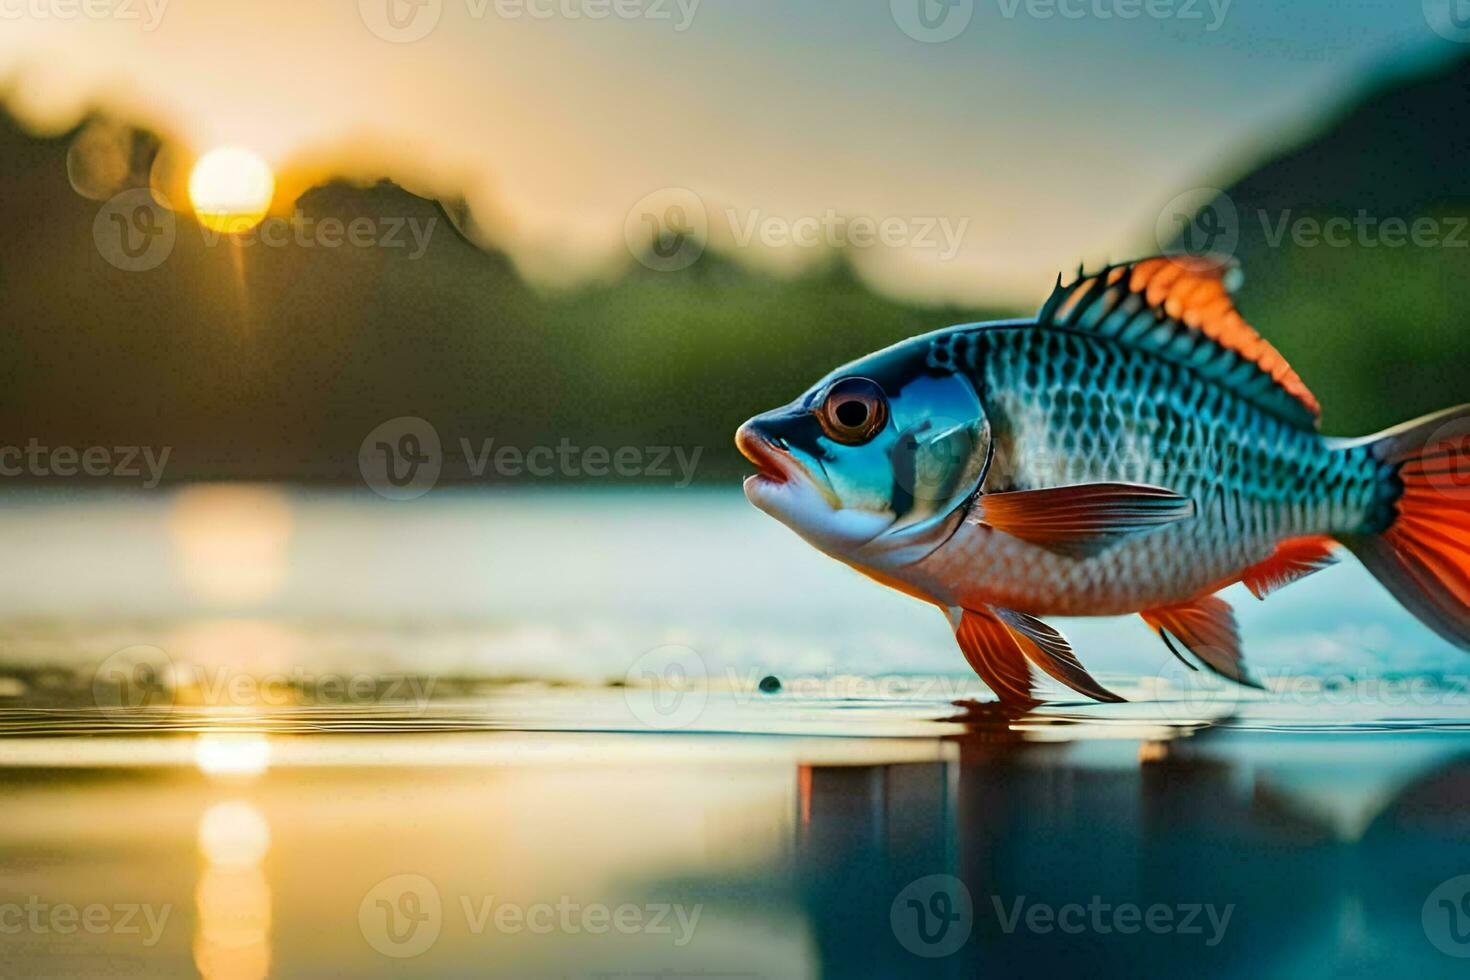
230 754
231 541
233 834
233 898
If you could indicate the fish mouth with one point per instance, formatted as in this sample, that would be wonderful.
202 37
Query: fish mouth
772 462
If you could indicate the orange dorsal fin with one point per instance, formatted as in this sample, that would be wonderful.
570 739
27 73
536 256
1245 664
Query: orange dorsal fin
1294 559
1179 307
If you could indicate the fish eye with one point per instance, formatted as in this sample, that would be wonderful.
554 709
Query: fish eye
853 411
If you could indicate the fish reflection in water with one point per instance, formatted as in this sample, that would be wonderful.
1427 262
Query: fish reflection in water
989 842
1194 856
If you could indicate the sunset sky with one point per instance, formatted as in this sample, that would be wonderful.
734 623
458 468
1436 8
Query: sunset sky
1038 135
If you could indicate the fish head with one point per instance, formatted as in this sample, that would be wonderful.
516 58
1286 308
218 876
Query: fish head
871 456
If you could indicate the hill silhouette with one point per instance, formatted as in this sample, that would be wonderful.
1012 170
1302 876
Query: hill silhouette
274 356
273 359
1373 320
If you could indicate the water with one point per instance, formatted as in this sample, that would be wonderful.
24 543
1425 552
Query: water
247 731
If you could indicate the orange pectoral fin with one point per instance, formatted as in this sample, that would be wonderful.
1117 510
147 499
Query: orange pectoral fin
1294 559
1082 520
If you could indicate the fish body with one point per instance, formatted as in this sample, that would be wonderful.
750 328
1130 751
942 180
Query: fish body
1069 408
1134 448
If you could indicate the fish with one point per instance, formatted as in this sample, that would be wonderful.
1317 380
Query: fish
1133 448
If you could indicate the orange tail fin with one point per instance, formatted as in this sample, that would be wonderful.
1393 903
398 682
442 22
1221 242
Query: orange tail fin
1423 557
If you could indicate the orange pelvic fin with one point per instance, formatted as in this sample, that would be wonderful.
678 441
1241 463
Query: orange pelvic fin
1207 629
995 653
1082 520
1294 559
1049 650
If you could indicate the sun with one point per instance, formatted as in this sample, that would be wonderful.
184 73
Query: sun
231 189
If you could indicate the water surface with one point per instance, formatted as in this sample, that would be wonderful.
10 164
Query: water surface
523 734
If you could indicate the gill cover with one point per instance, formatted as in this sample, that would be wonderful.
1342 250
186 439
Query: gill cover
936 451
